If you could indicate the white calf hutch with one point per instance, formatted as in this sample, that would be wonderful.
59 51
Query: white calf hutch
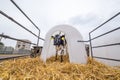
76 51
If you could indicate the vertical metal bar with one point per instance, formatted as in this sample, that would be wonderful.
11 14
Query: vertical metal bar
1 37
90 45
38 38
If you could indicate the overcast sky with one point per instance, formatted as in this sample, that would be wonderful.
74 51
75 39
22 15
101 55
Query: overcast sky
84 15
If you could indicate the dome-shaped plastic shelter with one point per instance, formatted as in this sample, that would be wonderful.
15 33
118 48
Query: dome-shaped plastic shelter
76 50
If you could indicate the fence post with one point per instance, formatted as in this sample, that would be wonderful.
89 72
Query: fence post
90 45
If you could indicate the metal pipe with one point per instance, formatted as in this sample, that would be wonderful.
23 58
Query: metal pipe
27 18
105 22
38 38
4 14
6 36
13 57
90 45
83 41
24 14
106 58
106 33
106 45
1 37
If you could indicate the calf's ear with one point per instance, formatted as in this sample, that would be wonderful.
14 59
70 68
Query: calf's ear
63 38
52 38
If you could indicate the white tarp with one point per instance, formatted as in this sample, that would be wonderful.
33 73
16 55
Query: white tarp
76 50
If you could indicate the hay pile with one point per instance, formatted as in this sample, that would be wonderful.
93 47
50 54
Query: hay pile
35 69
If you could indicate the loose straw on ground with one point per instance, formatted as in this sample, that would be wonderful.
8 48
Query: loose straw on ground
35 69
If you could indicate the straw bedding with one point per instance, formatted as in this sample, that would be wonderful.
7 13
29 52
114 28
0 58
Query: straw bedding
35 69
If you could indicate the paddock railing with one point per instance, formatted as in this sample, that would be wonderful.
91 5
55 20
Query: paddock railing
101 35
91 38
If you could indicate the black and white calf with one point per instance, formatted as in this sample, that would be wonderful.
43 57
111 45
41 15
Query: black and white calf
60 44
